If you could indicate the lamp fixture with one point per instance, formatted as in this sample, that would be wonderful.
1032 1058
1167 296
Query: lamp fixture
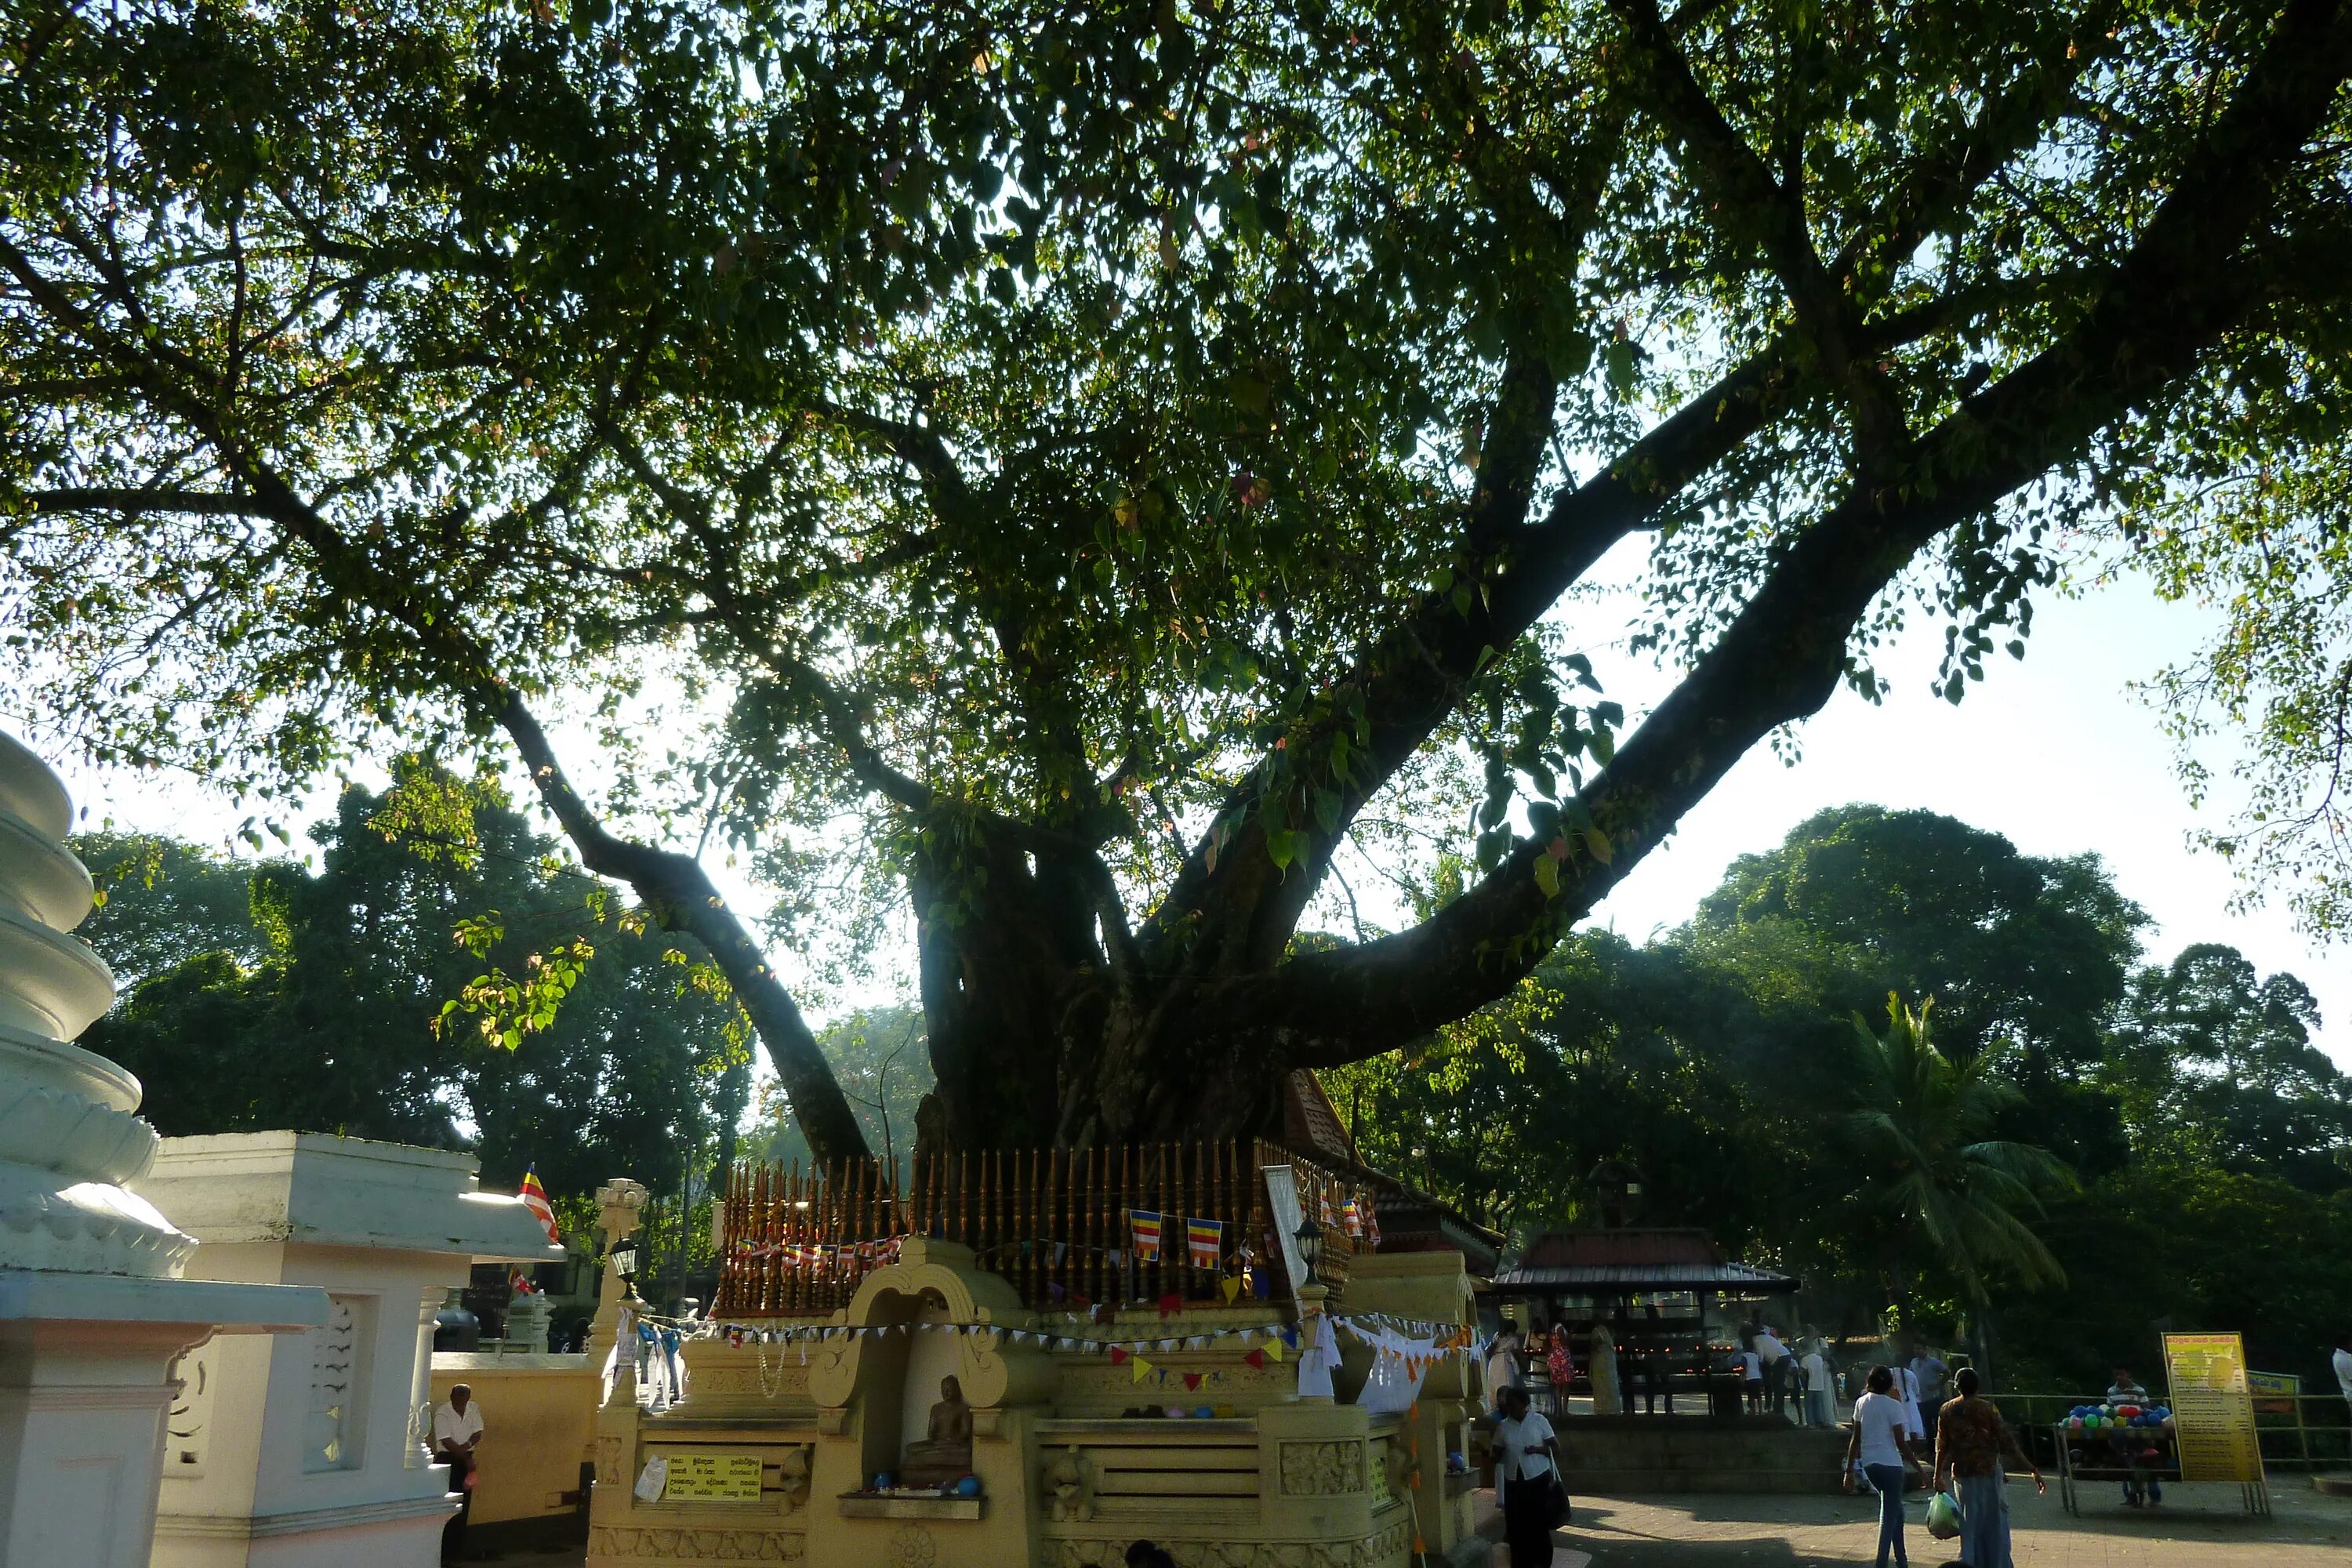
1309 1237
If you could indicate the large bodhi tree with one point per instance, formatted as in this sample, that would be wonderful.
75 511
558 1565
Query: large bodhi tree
1110 455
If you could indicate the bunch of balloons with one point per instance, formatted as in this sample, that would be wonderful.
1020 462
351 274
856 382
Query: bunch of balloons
2117 1417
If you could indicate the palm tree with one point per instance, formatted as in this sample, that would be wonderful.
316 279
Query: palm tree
1935 1178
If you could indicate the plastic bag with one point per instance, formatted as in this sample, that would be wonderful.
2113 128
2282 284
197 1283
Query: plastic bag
1943 1516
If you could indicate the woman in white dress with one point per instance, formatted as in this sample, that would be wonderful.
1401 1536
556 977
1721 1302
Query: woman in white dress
1601 1370
1503 1367
1908 1382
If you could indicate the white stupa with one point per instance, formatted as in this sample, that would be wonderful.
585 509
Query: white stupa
94 1316
69 1137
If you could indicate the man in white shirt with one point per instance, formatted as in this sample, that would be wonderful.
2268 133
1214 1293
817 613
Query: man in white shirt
2343 1359
457 1431
1775 1357
1526 1470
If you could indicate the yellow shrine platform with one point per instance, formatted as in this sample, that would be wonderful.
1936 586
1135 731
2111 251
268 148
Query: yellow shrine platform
1069 1473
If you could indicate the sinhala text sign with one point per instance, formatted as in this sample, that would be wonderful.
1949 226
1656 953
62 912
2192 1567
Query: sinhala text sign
712 1478
2212 1409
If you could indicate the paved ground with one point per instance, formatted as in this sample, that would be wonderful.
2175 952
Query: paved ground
2199 1527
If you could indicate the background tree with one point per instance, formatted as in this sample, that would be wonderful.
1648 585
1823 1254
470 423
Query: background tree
164 900
1719 1061
2216 1066
1114 458
2011 946
325 1012
880 1057
1945 1197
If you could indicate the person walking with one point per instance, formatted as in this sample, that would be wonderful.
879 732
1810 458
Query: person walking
2143 1485
456 1433
1928 1370
1527 1472
1821 1387
1906 1388
1881 1430
1972 1442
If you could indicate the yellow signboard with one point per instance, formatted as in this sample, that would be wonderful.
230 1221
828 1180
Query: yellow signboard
2212 1408
712 1478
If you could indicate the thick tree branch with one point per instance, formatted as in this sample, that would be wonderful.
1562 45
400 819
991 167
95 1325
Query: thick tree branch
1771 213
682 897
2187 283
170 502
1416 675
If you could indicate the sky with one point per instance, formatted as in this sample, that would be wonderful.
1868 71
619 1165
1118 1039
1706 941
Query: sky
2053 751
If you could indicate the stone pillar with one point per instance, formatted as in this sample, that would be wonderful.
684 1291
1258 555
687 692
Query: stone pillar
93 1313
418 1453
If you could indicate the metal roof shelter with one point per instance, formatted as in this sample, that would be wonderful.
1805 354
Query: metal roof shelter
1635 1260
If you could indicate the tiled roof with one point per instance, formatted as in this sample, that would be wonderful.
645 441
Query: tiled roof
1741 1277
1635 1259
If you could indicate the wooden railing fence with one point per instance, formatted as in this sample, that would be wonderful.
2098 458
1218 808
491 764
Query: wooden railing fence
1053 1222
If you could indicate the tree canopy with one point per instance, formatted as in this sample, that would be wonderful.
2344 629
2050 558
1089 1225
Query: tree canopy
1103 461
2011 946
322 1008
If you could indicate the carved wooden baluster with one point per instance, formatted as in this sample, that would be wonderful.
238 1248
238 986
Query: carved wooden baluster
766 1194
794 1275
1049 1225
1089 1200
861 1214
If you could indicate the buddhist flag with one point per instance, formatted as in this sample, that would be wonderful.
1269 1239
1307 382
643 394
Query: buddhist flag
1351 1217
1205 1239
534 1198
1146 1226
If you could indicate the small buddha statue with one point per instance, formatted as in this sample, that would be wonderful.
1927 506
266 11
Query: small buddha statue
944 1456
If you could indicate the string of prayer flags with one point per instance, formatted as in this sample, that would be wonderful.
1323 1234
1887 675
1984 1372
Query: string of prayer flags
1229 1287
1206 1240
1351 1217
1145 1227
1141 1367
